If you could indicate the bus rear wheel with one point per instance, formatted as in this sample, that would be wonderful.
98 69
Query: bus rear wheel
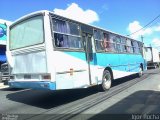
106 80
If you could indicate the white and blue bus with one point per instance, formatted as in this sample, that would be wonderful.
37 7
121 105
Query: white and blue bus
48 51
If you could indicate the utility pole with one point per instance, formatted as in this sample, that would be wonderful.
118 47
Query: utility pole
142 38
150 45
142 45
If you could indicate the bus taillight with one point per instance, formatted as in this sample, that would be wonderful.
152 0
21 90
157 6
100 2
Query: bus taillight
46 77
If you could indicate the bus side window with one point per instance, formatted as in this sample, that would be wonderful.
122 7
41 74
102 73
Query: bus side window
140 45
132 47
58 40
98 40
135 47
112 42
59 26
102 41
73 29
105 42
129 50
74 42
118 44
125 48
61 40
123 45
66 34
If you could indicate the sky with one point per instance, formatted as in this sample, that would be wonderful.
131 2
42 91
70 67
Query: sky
120 16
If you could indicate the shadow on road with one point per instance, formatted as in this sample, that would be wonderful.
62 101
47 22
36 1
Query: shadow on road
124 79
11 89
141 102
49 99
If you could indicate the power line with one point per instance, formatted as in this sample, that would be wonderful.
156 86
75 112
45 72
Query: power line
157 22
145 25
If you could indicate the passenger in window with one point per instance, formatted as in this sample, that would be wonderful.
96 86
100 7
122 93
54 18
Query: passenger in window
105 43
125 48
128 49
58 40
61 42
65 41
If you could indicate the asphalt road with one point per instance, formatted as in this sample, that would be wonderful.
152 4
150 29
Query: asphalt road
127 97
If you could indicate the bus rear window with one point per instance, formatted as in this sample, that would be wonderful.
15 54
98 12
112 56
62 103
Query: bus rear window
27 33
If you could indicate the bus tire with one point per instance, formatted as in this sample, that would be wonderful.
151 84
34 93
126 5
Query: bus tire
106 80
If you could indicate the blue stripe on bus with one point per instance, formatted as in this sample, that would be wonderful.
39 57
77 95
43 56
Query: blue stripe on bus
33 85
120 61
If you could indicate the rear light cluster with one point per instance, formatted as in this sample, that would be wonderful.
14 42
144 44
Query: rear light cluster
33 77
46 77
12 77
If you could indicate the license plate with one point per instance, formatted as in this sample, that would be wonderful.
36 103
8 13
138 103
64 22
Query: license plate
27 76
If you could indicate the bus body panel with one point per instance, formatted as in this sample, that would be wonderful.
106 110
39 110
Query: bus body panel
27 63
70 74
121 64
43 85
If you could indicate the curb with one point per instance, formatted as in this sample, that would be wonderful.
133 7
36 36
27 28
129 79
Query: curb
3 86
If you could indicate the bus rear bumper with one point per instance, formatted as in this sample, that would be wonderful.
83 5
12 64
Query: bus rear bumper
33 85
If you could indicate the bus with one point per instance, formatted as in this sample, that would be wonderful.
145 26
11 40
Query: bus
48 51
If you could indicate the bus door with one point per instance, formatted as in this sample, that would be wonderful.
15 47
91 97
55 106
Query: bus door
87 42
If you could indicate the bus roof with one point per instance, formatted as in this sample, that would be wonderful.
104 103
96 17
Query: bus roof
5 22
50 12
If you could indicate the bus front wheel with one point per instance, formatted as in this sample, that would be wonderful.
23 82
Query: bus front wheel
106 80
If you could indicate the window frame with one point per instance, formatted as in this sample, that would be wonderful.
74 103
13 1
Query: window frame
111 36
97 50
67 34
122 44
102 32
118 43
140 47
136 47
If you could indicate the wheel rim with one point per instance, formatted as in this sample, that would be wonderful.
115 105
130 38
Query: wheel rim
107 81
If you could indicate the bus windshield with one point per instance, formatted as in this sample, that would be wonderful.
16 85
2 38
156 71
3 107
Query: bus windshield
27 33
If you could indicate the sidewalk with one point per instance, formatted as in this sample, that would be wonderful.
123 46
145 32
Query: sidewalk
3 86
